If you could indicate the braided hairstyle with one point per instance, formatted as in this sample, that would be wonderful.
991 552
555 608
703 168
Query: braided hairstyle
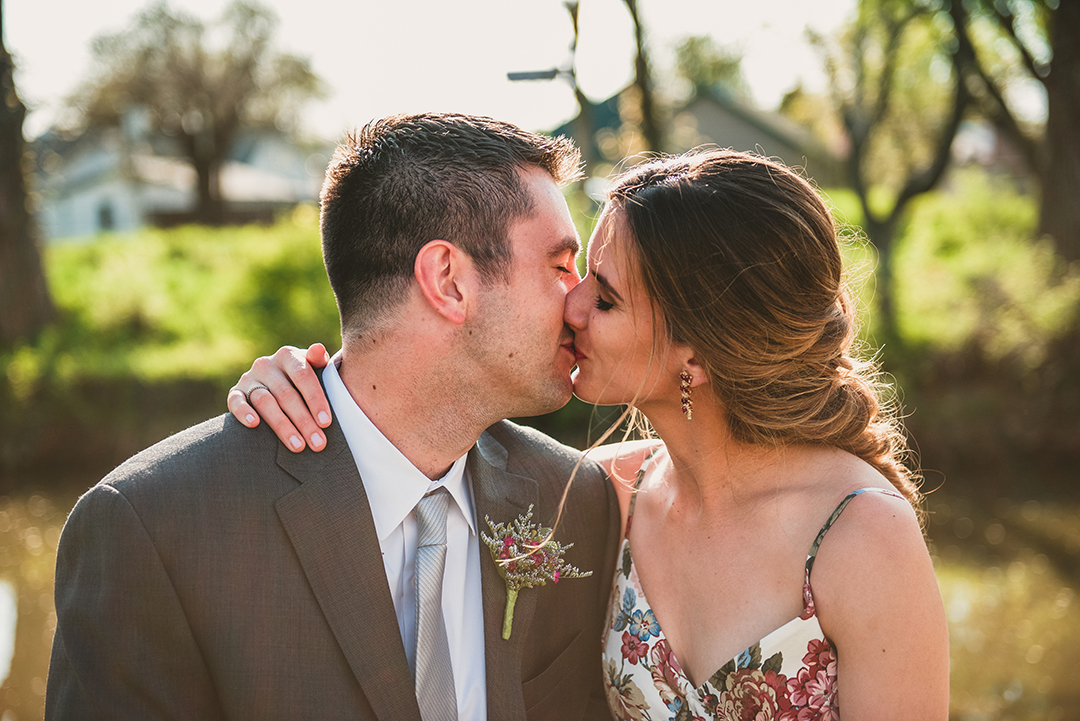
740 257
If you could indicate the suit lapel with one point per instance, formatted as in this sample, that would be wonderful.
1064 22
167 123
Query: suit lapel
328 520
502 497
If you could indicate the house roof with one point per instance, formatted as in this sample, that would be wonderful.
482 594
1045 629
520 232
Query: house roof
65 164
771 124
745 125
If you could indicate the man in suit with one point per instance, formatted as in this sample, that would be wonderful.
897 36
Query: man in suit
216 575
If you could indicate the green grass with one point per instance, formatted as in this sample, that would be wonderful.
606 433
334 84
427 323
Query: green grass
193 302
201 303
970 273
188 303
152 328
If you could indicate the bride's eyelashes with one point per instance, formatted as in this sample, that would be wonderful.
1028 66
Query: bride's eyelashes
602 304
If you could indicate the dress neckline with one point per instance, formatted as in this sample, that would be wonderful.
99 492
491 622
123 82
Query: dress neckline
808 612
644 600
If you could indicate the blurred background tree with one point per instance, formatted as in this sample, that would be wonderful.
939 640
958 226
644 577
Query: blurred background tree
895 86
24 295
1010 51
168 66
994 369
649 115
584 123
704 65
905 75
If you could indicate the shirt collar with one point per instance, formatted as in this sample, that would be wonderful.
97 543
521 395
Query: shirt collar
392 483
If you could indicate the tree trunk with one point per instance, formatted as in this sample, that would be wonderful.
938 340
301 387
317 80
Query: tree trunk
25 305
584 123
208 206
881 235
585 130
650 122
201 152
1059 213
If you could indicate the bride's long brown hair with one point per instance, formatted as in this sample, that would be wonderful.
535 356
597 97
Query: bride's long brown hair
740 257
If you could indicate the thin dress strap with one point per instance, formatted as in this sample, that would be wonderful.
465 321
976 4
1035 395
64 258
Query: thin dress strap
808 594
832 519
637 484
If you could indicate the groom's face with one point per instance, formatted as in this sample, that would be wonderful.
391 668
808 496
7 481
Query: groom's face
527 349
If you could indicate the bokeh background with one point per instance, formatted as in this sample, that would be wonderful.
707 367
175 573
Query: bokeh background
159 172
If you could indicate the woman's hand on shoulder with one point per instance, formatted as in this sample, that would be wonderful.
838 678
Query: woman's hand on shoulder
878 601
287 395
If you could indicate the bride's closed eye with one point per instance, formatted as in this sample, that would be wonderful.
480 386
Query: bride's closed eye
602 304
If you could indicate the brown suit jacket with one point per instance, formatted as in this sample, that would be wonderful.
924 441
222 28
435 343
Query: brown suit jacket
216 575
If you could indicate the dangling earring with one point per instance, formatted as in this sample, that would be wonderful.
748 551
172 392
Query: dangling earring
684 390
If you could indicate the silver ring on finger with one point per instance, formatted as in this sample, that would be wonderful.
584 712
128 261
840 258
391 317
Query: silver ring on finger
257 386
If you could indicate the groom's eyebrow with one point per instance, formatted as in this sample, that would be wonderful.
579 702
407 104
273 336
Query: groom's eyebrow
569 244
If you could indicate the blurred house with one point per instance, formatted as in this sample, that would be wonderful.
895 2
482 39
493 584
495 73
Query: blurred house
122 179
721 118
716 117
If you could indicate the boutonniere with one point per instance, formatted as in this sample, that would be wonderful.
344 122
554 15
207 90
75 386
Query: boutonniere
524 559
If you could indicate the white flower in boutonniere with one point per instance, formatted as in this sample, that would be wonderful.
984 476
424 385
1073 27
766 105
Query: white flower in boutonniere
526 558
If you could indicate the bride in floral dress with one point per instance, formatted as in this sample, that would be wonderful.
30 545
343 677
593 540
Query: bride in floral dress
773 564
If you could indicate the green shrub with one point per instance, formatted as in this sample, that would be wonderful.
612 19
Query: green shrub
152 313
185 303
970 276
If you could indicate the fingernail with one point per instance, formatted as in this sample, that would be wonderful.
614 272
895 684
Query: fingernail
296 442
323 418
250 419
316 440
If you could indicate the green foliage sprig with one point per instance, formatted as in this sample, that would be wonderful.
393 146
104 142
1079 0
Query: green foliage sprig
526 557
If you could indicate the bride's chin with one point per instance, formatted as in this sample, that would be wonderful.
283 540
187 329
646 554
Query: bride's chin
580 387
582 394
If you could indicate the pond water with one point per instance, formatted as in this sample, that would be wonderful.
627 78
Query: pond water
30 528
1008 578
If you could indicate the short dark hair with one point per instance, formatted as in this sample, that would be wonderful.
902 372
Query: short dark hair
405 180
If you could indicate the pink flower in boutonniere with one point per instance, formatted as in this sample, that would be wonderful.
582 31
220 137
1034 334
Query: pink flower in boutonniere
526 557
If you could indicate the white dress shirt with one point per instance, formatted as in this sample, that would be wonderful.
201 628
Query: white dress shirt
394 486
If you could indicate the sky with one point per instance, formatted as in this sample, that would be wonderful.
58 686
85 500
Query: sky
385 57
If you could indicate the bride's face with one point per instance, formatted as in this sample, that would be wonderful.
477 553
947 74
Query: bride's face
615 329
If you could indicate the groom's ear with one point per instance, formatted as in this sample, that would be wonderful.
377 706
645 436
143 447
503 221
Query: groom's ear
445 273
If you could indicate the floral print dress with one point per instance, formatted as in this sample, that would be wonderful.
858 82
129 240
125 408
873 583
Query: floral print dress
790 675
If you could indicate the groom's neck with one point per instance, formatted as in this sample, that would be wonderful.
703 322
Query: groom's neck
413 395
